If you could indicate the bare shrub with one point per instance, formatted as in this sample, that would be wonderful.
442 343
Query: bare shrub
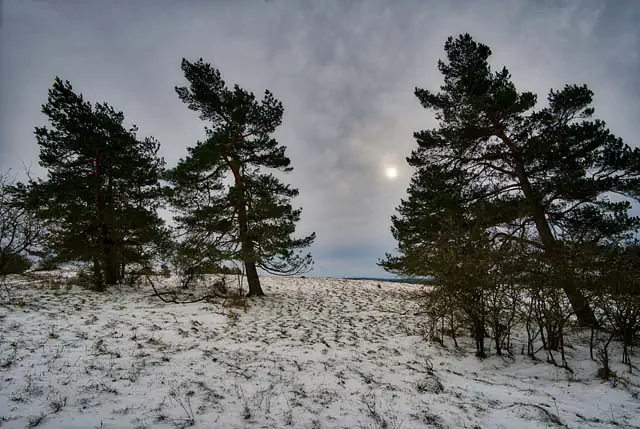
20 232
614 283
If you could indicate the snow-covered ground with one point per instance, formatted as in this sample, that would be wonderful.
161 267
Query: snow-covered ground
313 353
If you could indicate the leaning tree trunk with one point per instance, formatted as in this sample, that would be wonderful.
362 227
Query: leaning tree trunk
255 289
552 248
559 262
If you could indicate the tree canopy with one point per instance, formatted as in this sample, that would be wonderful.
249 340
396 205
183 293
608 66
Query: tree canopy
101 191
543 177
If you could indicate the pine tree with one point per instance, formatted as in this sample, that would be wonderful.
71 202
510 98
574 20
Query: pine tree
541 177
251 220
101 192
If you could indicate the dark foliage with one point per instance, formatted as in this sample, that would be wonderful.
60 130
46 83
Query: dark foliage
99 198
541 178
20 231
14 264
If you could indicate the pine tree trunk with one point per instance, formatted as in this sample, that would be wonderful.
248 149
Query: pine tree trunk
551 246
478 334
123 267
569 284
111 264
248 253
97 275
111 275
255 289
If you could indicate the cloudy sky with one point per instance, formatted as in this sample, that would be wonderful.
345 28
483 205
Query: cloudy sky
345 71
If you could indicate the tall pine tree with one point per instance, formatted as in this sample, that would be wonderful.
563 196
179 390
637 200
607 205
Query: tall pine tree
101 192
251 220
538 176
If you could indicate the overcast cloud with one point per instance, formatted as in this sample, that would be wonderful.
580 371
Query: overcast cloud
345 71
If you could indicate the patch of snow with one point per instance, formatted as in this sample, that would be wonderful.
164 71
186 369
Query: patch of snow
313 353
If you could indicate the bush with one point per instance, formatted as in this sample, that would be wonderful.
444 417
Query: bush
84 279
220 269
48 263
165 271
14 264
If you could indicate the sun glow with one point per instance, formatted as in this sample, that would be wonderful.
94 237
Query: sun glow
391 172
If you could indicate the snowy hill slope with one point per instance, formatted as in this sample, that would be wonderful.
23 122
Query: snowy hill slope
314 353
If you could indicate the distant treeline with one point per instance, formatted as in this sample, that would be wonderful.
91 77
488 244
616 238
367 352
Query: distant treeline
395 280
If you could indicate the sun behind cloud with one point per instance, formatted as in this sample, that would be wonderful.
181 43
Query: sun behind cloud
391 172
